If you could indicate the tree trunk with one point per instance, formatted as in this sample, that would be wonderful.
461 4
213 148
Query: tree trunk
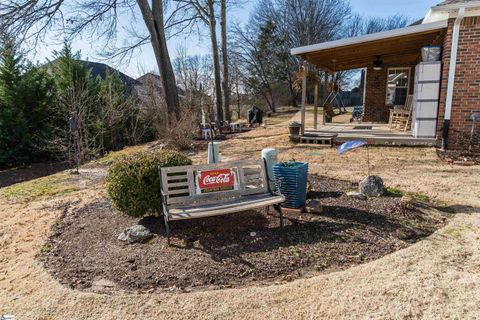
154 21
216 62
225 85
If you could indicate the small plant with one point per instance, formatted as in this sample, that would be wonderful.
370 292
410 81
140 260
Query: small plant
133 182
393 192
291 164
420 197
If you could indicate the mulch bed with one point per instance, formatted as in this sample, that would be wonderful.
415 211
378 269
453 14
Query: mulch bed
459 157
234 250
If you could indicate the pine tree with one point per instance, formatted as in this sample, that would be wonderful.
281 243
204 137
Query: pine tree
38 104
76 98
13 125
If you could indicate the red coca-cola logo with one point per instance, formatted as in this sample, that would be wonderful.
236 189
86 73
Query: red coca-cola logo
216 178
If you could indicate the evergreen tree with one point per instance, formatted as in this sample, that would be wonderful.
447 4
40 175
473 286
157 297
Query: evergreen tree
76 99
13 125
38 103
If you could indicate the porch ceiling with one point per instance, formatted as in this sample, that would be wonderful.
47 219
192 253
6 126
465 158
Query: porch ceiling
395 47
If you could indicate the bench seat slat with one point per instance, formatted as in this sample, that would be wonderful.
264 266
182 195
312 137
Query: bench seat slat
178 184
176 178
256 176
178 191
231 206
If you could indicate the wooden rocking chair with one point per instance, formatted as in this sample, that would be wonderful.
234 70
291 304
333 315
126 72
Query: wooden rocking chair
401 116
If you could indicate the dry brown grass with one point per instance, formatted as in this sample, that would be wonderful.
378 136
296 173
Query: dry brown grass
435 278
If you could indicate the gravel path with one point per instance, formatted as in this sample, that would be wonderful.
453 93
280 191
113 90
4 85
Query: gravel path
438 277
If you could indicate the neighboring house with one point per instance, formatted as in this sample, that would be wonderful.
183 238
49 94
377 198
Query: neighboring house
390 58
145 85
150 82
100 70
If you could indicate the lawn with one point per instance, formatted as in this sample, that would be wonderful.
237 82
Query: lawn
437 277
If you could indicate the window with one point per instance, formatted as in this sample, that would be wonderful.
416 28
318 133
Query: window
398 84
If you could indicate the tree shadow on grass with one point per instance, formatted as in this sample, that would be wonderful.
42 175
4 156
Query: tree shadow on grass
30 172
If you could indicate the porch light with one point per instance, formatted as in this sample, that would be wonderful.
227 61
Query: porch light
377 64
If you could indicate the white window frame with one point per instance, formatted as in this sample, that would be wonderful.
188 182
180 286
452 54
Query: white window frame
408 82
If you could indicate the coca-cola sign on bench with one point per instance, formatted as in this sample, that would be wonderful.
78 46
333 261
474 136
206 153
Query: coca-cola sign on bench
215 180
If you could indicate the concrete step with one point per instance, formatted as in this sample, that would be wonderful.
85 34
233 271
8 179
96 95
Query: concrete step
324 139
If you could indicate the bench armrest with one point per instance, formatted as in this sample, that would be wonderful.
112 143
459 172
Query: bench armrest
277 184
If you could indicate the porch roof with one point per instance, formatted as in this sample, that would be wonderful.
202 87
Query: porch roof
398 46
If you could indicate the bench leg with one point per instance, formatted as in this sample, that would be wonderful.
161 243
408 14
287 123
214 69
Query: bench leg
279 210
167 228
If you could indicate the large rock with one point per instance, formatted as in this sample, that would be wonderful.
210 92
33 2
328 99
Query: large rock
372 186
134 234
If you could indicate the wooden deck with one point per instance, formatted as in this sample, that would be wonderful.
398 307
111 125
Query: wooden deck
374 133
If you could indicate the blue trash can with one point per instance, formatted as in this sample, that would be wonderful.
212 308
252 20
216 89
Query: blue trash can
292 179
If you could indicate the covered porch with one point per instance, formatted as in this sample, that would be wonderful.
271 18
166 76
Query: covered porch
389 59
374 133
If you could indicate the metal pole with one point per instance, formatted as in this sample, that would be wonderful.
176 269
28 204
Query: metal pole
368 162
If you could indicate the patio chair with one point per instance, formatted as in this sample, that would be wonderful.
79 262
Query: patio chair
401 116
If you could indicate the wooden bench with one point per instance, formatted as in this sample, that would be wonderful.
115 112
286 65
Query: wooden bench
199 191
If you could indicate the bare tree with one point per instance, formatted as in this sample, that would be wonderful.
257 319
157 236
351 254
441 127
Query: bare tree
236 85
225 84
204 11
194 74
99 19
358 25
256 55
299 23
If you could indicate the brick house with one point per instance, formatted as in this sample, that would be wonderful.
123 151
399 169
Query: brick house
391 58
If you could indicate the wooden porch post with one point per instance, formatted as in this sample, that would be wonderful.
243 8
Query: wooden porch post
323 108
304 95
315 101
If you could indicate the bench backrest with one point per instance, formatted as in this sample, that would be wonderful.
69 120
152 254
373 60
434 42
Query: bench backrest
183 184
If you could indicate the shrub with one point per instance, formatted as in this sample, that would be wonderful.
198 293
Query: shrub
133 182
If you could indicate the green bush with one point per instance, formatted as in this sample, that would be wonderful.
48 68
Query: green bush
133 182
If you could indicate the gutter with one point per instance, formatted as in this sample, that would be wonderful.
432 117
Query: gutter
451 76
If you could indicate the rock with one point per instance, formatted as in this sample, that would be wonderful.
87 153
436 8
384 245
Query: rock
372 186
313 206
134 234
103 286
357 195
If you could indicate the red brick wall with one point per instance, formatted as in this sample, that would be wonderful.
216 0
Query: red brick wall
375 93
466 91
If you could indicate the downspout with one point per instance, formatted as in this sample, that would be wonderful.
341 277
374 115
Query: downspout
451 76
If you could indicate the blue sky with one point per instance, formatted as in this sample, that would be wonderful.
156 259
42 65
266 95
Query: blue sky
144 60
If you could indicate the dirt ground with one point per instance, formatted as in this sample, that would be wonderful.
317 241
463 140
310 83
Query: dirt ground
235 250
438 277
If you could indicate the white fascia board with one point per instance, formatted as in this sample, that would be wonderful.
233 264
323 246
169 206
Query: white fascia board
433 16
456 6
371 37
